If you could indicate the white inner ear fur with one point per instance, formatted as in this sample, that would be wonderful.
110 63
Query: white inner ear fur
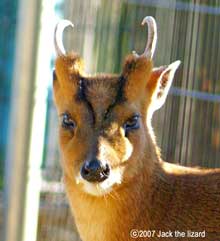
163 85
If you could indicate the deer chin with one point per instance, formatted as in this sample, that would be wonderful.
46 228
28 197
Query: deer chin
101 188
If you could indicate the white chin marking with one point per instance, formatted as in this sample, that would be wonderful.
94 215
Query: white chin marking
102 188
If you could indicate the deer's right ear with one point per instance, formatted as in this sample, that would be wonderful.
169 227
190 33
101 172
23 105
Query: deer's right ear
159 84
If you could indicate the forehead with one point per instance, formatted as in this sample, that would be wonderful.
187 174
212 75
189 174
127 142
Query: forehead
100 94
101 90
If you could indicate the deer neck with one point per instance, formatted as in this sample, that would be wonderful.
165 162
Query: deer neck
114 215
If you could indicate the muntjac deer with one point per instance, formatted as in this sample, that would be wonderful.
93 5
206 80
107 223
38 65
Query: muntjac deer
118 186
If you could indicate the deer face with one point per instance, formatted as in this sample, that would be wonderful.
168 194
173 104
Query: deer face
104 132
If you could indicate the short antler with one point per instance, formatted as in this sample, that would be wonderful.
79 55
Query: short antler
58 36
152 37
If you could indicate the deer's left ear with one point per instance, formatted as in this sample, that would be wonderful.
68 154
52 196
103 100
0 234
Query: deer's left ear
159 84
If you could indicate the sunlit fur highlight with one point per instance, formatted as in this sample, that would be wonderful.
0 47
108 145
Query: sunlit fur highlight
143 192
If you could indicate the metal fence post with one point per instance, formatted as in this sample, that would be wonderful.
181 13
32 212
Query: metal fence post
27 124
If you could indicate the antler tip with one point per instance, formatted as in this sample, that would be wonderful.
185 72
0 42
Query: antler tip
66 23
148 19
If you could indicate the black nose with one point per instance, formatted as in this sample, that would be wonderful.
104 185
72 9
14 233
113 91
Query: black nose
94 171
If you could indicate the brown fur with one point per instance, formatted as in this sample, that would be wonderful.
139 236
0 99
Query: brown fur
153 194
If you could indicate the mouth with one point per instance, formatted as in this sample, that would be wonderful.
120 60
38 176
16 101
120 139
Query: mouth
102 187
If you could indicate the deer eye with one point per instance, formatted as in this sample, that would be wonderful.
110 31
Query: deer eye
67 122
54 75
132 124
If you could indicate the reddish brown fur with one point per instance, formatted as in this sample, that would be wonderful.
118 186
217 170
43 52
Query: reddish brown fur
153 195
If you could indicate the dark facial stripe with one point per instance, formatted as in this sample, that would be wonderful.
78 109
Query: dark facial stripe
81 96
120 97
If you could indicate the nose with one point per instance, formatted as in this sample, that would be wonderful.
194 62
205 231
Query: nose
95 171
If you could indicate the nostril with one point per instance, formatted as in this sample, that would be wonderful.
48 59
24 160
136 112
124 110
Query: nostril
106 170
86 168
85 171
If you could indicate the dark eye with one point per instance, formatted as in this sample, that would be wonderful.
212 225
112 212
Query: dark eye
132 123
54 75
67 122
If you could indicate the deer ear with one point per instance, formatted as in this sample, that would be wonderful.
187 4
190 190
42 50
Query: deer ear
159 84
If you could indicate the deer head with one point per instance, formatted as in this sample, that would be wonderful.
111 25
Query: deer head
105 132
